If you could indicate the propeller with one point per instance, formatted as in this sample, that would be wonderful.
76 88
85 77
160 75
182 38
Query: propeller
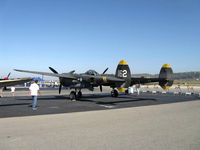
105 71
71 72
8 75
54 71
6 78
60 87
100 86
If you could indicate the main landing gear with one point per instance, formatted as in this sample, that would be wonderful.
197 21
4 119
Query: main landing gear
114 93
75 95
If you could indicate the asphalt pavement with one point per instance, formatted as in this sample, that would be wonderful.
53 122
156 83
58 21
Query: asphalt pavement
50 102
98 121
172 126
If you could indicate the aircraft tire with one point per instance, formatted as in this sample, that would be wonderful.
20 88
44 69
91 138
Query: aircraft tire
114 93
72 95
79 94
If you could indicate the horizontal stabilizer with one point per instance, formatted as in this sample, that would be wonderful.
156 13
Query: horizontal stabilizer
165 78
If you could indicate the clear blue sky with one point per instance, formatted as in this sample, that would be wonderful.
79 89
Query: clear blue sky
84 34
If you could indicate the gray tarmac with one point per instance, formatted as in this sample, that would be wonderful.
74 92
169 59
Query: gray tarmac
50 102
98 121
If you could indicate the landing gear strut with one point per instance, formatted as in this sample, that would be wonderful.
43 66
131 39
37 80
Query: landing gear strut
114 93
72 95
75 95
79 94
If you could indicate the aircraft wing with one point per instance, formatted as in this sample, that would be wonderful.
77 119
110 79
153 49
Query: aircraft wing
4 83
48 74
142 80
107 80
114 79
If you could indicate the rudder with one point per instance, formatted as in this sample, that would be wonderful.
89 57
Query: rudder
123 71
166 77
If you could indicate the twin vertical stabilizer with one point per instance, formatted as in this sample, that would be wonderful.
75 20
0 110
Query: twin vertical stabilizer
123 71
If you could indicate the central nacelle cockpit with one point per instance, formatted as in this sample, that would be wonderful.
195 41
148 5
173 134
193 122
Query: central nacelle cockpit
92 72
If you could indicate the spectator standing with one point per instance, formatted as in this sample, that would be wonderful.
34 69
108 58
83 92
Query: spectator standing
34 91
137 86
12 90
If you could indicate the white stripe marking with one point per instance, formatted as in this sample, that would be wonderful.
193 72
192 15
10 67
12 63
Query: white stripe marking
107 106
54 107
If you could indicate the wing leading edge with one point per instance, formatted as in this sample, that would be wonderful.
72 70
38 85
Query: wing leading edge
48 74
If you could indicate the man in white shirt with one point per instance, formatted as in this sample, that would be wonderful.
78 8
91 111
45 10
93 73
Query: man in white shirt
34 91
137 86
12 90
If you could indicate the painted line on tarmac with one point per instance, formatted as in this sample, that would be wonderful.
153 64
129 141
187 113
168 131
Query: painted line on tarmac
54 107
107 106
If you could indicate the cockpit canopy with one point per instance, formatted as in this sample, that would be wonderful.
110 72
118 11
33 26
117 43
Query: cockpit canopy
91 72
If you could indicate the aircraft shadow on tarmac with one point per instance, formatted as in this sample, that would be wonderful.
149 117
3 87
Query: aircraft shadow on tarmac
106 99
54 104
141 100
43 98
113 101
102 99
18 104
86 97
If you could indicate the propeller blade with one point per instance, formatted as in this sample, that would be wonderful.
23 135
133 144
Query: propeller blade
105 71
53 70
8 75
101 89
71 72
60 87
